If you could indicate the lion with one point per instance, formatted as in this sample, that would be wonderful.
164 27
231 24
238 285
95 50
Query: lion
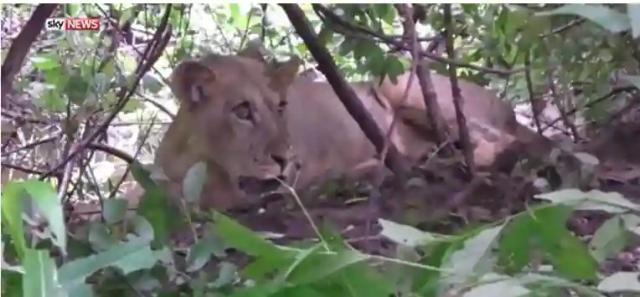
255 125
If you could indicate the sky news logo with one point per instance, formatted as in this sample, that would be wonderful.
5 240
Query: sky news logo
73 24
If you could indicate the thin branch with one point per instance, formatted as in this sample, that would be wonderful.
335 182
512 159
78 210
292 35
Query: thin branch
157 105
561 108
246 30
535 102
145 136
152 53
345 93
565 27
457 96
23 169
112 151
590 104
32 144
20 47
401 44
433 111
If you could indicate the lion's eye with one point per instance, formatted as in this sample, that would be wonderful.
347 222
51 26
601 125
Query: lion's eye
243 111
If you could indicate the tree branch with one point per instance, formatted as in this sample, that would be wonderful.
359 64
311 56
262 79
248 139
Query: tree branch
613 92
433 112
153 51
345 93
457 96
21 45
401 44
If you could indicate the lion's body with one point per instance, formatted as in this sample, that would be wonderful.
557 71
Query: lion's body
315 131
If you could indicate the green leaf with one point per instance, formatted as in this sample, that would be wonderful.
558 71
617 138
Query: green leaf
239 20
509 287
45 62
142 228
156 207
468 261
143 258
633 79
114 210
75 272
200 252
347 46
325 36
52 101
611 202
621 282
101 83
316 266
48 202
76 89
611 238
606 17
567 253
633 11
242 238
81 290
226 275
99 237
39 278
394 68
545 229
12 215
151 83
516 243
142 175
408 235
194 181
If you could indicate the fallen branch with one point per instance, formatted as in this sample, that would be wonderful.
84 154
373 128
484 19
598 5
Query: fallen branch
345 93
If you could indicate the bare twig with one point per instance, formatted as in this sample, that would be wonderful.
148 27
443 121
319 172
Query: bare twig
561 108
590 104
325 13
433 114
20 47
246 30
145 136
567 26
457 97
157 105
533 100
19 117
152 53
23 169
32 144
112 151
345 93
114 24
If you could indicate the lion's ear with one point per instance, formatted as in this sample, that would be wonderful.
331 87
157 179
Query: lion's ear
283 74
254 50
188 81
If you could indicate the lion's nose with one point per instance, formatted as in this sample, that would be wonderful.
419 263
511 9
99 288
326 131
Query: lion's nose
281 161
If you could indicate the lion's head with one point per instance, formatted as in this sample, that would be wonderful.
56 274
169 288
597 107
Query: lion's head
232 117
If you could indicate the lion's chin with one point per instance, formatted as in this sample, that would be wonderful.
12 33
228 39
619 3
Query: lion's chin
255 186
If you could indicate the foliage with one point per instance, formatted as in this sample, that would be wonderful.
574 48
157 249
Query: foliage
531 252
575 55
